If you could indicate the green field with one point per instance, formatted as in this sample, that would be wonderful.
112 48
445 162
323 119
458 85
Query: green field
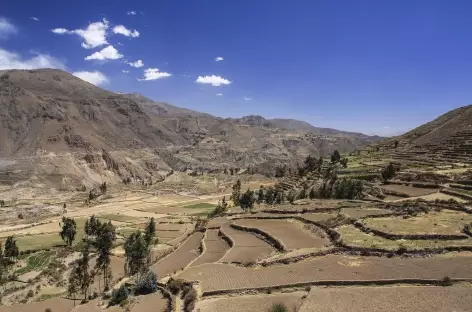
36 261
200 206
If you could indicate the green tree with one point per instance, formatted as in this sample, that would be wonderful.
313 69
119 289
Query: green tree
235 196
312 194
150 232
320 163
389 172
291 196
11 251
136 253
260 196
302 194
80 277
344 162
104 243
103 188
247 200
335 157
69 229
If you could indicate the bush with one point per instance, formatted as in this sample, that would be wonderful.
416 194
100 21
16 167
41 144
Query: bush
189 299
30 293
278 307
446 281
48 310
175 285
146 284
118 296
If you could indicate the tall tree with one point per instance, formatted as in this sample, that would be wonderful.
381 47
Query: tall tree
247 200
235 196
312 194
104 244
260 196
150 232
80 277
136 253
69 229
11 251
335 157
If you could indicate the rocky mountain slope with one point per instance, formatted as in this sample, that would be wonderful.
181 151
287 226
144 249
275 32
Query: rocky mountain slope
59 129
446 139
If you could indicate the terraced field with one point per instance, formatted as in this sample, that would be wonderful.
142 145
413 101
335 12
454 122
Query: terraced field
180 258
398 299
218 277
290 233
215 248
247 247
250 303
364 212
442 222
352 236
409 190
56 305
317 217
150 303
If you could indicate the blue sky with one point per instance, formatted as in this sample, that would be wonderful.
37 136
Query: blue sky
371 66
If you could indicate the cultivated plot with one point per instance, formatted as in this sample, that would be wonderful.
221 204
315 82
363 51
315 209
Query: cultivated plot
219 276
215 248
441 222
247 247
252 303
291 233
389 299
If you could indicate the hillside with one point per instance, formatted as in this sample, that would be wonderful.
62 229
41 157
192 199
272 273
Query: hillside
444 140
57 128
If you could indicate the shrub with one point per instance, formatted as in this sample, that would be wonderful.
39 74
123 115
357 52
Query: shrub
30 293
189 299
118 296
278 307
446 281
146 284
175 285
48 310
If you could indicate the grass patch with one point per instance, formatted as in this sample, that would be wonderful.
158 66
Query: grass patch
125 231
200 206
352 236
442 222
37 261
121 218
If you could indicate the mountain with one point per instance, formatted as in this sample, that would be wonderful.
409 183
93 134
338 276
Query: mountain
59 130
446 139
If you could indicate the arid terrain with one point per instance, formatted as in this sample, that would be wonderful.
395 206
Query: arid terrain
371 229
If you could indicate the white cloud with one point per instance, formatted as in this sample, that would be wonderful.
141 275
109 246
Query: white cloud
60 31
124 71
136 64
10 60
34 18
94 35
219 59
95 77
219 94
6 28
154 74
120 29
215 81
247 98
108 53
131 12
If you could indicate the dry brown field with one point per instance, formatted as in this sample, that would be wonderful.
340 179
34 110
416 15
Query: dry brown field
352 236
180 258
317 217
218 276
155 302
56 304
247 247
409 190
215 248
442 222
290 232
389 299
364 212
250 303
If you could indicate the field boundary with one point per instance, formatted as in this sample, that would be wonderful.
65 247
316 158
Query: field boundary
272 240
392 236
408 281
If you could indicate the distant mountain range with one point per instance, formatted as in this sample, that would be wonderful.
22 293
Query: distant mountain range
56 120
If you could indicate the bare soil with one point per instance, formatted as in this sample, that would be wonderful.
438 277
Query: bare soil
389 299
215 248
289 232
218 276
